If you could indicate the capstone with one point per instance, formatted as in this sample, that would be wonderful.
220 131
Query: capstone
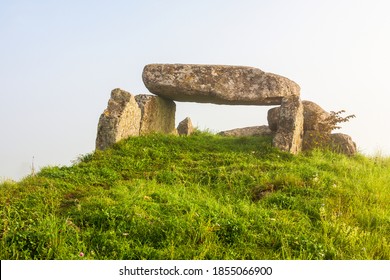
218 84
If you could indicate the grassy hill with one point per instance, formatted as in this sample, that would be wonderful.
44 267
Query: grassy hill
200 197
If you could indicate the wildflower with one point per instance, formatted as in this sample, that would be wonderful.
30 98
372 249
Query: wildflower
81 254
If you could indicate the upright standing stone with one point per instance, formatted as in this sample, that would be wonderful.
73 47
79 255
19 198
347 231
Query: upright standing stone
185 127
317 130
315 118
289 134
218 84
120 120
157 114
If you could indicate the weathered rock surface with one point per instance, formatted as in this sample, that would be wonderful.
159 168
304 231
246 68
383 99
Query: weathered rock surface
337 142
185 127
315 139
273 118
219 84
262 130
343 143
289 134
316 130
157 114
315 118
120 120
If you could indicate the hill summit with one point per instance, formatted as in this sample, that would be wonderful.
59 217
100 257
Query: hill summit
202 196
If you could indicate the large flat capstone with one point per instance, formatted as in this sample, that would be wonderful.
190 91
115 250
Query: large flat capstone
218 84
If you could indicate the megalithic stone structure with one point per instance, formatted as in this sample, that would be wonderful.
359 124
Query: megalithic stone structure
294 125
232 85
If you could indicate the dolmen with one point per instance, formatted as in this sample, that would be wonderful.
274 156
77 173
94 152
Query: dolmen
128 115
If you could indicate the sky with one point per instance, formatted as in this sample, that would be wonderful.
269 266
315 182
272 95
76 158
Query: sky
59 61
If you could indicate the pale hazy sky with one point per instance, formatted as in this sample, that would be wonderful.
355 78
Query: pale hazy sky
59 61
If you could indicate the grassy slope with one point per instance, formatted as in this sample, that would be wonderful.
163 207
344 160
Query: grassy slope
200 197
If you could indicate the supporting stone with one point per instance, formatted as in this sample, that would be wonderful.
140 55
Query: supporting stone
289 133
317 130
157 114
120 120
315 118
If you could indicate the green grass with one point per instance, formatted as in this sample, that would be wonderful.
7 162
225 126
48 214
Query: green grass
200 197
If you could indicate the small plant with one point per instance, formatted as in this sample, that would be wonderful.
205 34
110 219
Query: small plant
322 139
336 118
